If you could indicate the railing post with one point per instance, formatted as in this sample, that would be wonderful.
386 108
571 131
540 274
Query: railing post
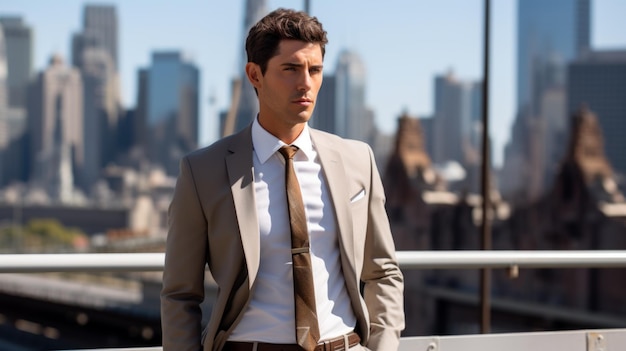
485 276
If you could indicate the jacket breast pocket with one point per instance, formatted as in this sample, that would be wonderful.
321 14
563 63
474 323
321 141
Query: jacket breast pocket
359 208
359 196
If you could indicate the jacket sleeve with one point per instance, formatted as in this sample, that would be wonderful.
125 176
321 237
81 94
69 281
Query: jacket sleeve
185 260
381 275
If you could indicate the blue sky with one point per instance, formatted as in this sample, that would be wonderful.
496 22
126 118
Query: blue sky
403 43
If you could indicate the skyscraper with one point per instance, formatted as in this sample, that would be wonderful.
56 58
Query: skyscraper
101 111
598 81
140 118
55 122
13 87
99 30
325 107
352 119
550 34
172 108
448 119
18 41
456 121
547 31
4 137
18 64
94 53
244 106
457 126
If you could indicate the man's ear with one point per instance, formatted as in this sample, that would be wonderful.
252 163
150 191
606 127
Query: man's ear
253 72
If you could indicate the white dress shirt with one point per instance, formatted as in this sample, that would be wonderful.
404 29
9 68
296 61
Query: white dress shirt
270 315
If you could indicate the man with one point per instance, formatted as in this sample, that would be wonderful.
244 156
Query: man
232 209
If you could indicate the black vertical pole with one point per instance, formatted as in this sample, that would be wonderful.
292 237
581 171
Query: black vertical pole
307 6
485 277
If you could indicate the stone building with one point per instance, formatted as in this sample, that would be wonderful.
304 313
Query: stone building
584 210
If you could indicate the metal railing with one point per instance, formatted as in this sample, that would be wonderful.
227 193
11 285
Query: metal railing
127 262
588 340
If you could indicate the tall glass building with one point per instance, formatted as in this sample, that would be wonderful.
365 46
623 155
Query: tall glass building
547 31
18 41
550 34
352 120
172 108
323 117
598 81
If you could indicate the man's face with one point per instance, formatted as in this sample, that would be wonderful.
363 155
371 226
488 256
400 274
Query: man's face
288 90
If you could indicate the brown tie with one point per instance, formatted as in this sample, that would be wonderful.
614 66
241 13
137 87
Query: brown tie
307 330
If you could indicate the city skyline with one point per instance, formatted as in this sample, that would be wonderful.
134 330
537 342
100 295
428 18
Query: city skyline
447 36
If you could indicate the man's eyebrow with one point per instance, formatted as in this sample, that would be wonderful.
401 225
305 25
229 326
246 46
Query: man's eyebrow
298 65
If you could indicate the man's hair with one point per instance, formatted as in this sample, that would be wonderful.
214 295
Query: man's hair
265 35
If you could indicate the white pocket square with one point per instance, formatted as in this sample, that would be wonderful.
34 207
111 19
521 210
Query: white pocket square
358 196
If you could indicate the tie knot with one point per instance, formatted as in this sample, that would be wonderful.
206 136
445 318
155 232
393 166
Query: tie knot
288 151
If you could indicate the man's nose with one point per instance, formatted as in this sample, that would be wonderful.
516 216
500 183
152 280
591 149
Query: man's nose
304 81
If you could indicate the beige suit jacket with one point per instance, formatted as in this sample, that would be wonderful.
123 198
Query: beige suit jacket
212 220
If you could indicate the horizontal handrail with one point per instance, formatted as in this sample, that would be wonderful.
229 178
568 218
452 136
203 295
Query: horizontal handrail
511 258
129 262
80 262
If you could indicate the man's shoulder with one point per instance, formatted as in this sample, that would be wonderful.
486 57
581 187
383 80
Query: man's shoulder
221 147
326 137
218 147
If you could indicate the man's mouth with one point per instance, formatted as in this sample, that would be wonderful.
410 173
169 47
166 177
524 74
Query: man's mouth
303 101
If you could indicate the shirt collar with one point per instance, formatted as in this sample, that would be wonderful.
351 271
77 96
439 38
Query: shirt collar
265 144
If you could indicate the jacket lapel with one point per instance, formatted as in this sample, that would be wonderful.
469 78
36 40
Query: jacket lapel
338 186
240 173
